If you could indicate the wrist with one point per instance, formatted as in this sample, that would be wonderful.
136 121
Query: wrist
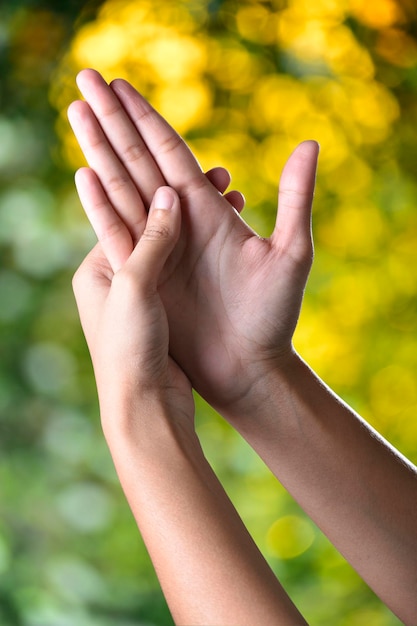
273 384
146 423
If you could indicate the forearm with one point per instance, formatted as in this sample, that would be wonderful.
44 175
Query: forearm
360 491
210 570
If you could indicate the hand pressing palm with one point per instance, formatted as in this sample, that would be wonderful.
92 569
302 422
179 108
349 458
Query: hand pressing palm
232 298
126 327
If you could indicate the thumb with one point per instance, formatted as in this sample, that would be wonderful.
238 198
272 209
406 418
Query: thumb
296 191
158 239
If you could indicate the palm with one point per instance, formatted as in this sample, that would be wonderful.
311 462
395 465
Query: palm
107 309
232 299
236 305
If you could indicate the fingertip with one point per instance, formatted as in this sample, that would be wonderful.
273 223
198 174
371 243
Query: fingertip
301 167
116 82
86 74
89 82
77 111
219 177
121 86
72 109
81 77
83 175
159 238
236 199
164 198
309 146
78 175
129 96
165 210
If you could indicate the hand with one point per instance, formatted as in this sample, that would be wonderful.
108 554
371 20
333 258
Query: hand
232 298
126 327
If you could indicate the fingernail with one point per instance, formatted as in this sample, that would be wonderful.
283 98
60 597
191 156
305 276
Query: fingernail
163 199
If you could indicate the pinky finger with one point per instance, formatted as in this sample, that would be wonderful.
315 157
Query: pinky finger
219 177
110 229
236 199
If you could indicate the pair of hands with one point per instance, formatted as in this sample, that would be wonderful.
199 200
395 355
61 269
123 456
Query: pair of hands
189 295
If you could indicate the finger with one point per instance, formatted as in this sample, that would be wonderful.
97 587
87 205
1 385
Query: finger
121 133
236 199
113 234
157 241
173 157
200 200
219 177
296 190
116 181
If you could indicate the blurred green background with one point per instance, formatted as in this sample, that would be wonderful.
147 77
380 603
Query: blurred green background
244 81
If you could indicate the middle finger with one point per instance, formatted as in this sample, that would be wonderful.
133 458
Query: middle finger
121 133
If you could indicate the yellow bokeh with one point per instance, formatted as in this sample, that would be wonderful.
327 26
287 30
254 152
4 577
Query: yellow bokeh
161 48
257 23
353 298
336 355
376 14
278 101
354 230
110 39
350 180
346 56
244 82
393 390
246 114
233 67
323 10
185 105
322 37
374 108
307 38
273 152
290 536
175 58
399 278
397 47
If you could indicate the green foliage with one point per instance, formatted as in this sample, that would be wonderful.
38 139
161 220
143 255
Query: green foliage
248 81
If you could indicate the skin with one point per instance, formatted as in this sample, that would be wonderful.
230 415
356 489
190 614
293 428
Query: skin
226 334
232 301
210 570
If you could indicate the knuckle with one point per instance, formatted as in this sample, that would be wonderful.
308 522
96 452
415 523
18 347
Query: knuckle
126 281
134 285
306 254
97 141
293 198
113 230
92 269
134 153
170 144
195 185
302 256
117 183
157 232
144 114
111 109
